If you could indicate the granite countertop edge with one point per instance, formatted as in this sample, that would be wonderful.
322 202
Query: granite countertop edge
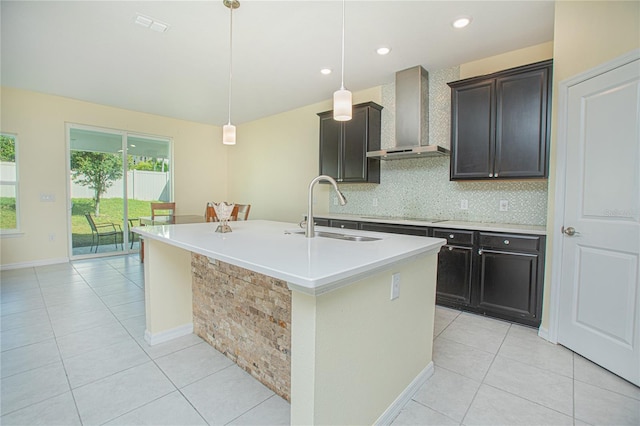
450 224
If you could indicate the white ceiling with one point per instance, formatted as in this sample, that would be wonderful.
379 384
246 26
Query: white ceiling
93 50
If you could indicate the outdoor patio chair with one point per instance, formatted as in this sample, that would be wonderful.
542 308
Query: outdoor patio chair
104 230
132 235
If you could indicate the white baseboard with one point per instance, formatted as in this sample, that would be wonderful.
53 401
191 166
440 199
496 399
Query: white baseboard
405 396
543 333
34 263
165 336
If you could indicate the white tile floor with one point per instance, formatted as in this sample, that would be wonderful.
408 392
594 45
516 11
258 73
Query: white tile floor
73 353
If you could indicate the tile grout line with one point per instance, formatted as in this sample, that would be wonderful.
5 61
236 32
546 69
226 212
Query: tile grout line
485 374
255 406
64 366
153 360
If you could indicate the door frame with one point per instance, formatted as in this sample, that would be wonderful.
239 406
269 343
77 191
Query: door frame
560 169
124 134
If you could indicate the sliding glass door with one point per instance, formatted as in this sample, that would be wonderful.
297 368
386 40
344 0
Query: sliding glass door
113 178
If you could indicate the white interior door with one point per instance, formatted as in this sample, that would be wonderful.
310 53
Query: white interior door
599 295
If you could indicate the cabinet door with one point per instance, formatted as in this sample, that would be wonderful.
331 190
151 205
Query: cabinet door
508 285
472 131
521 124
330 137
454 276
354 163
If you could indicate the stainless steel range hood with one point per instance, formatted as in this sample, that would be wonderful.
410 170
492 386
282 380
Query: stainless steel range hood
412 119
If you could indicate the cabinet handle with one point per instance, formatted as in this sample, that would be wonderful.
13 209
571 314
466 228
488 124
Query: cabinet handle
450 248
506 242
452 236
480 252
490 174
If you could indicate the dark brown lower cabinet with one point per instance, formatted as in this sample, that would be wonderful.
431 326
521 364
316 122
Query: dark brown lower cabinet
421 231
454 275
509 286
494 274
491 273
343 224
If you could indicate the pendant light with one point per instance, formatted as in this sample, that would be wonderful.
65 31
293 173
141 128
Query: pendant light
342 98
229 130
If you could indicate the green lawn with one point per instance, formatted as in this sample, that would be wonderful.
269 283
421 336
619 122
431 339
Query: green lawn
110 212
7 213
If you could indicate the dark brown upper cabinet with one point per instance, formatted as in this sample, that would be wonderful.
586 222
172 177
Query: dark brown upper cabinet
344 144
500 124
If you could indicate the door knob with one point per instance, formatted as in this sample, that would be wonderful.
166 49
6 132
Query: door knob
570 231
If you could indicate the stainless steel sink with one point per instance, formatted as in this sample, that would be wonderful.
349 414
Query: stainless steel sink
337 236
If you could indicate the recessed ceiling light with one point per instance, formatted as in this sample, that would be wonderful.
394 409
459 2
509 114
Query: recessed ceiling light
326 71
159 27
147 22
143 21
461 22
383 50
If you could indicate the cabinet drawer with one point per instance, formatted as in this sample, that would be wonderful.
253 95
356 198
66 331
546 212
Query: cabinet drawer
509 242
320 221
395 229
344 224
454 236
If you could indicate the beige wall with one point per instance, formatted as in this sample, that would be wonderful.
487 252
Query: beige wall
586 34
199 165
515 58
275 159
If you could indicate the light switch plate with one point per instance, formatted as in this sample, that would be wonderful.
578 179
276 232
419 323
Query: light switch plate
395 286
464 204
504 205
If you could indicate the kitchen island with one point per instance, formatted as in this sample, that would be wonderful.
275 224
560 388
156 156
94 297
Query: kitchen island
321 308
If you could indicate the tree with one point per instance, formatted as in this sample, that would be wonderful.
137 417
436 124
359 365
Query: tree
144 165
97 171
7 148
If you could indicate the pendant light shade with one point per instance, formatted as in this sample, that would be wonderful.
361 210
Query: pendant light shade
229 130
342 105
229 134
342 98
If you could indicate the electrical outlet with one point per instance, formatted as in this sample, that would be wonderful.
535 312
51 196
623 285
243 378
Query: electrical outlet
375 202
52 237
335 201
395 286
504 205
47 198
464 205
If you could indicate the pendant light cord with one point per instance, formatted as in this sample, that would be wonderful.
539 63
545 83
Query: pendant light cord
342 82
230 56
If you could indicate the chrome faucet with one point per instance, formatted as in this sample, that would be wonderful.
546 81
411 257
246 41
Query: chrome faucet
309 231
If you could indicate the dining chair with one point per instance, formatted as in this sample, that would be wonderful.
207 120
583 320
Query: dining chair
98 230
243 211
163 210
210 213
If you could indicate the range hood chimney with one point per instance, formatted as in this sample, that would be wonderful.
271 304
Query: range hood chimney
412 118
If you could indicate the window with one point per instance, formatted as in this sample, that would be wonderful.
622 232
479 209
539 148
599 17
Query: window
8 183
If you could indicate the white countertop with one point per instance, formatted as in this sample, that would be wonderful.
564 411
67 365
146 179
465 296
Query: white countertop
310 265
453 224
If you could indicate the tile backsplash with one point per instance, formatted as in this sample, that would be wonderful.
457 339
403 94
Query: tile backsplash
420 188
